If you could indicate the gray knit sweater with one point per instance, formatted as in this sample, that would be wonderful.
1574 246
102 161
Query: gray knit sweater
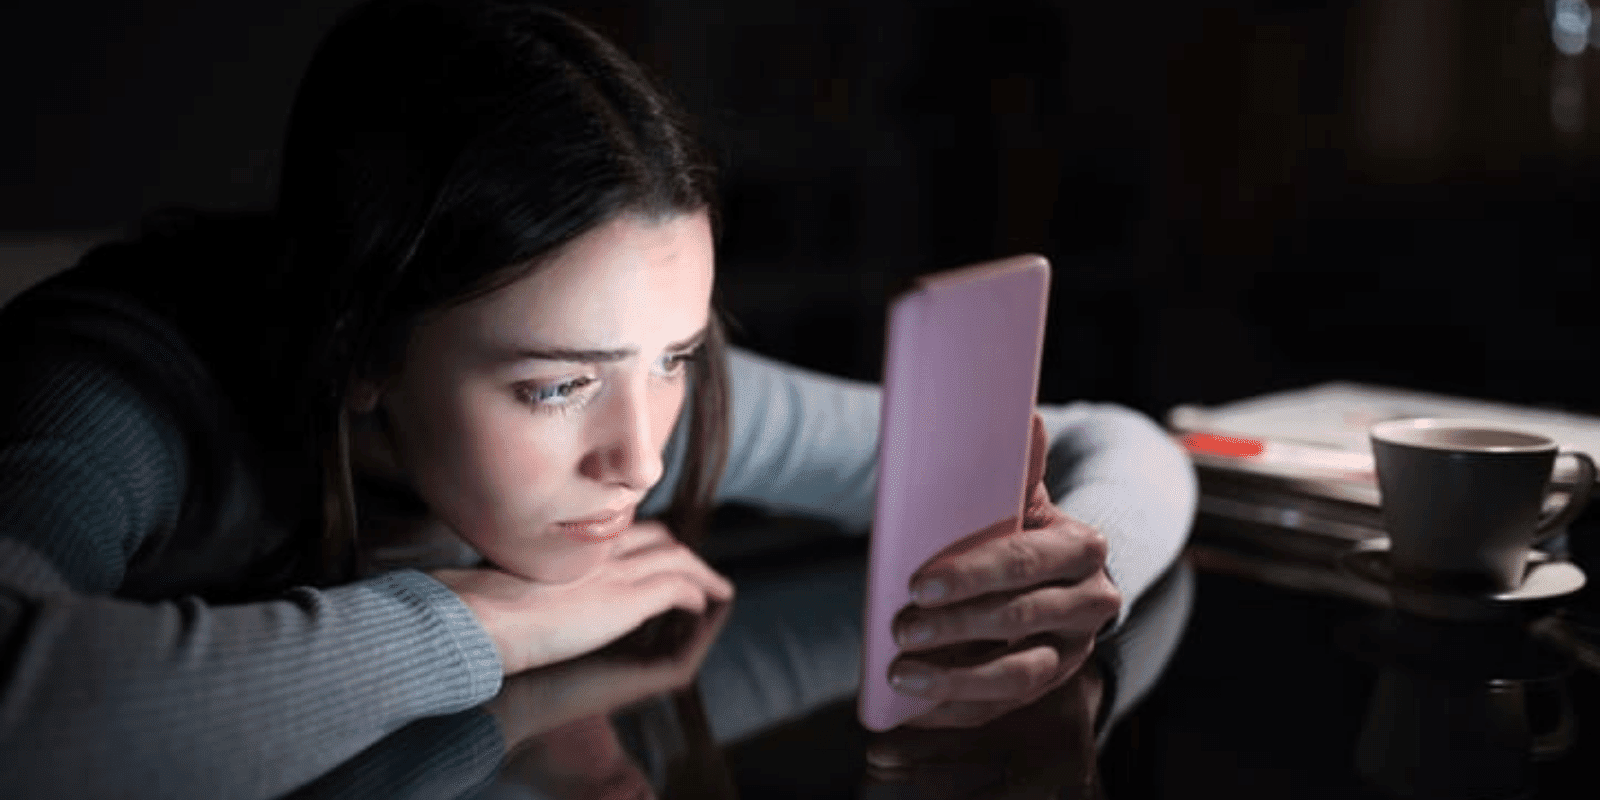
149 641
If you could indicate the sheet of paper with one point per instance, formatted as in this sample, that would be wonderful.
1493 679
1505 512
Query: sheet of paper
1338 415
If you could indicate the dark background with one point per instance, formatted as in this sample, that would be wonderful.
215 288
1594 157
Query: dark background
1237 196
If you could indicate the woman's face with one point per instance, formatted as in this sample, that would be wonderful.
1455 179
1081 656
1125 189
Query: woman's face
532 420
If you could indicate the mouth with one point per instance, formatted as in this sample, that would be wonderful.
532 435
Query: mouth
598 528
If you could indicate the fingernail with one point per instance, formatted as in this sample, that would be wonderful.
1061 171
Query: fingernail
920 633
909 682
930 591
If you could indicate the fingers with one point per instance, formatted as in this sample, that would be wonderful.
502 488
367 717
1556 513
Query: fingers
654 574
661 592
535 624
1006 678
696 594
648 548
1083 607
679 566
1065 550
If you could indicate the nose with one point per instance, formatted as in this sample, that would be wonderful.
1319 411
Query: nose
625 452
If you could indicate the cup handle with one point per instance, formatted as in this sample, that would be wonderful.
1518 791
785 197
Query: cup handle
1575 502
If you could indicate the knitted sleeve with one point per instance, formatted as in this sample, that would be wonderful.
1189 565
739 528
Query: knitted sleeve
102 696
807 443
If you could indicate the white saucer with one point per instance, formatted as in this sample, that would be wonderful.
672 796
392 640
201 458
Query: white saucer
1545 579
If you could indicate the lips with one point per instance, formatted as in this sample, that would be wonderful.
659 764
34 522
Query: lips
598 529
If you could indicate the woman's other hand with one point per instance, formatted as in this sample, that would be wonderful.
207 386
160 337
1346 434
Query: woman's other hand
647 573
1005 615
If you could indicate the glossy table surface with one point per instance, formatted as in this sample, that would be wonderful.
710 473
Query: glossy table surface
1272 694
1281 694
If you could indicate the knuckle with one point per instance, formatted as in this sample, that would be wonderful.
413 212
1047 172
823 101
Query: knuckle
664 582
1019 561
1040 511
1095 545
1107 598
1018 615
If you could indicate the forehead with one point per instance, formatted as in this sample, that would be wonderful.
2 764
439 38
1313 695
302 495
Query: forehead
628 279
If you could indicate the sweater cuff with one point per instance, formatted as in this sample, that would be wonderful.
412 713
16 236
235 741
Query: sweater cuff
1142 542
453 623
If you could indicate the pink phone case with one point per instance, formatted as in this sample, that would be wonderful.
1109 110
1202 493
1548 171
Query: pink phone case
961 373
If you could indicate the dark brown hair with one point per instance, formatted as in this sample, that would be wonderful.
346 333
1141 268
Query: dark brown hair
438 150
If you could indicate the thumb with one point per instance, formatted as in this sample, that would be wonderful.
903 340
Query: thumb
1038 447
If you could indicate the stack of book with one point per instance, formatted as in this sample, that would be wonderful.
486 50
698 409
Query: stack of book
1287 482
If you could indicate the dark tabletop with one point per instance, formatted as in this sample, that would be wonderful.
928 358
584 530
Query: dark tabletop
1272 694
1282 694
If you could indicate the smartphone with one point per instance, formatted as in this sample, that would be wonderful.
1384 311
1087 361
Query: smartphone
960 379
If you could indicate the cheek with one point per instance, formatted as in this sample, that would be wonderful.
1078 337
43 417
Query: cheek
512 459
476 462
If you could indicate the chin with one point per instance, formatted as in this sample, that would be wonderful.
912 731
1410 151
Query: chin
563 565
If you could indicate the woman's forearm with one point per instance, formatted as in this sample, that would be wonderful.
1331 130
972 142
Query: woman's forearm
223 701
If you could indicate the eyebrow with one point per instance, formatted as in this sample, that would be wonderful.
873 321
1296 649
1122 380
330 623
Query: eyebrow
599 356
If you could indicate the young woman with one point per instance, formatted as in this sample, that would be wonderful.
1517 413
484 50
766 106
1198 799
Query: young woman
269 490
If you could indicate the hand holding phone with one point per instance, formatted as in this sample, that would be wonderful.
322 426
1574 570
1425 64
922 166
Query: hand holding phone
960 378
1016 615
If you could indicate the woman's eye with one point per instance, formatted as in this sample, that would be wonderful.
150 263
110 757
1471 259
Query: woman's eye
673 365
562 394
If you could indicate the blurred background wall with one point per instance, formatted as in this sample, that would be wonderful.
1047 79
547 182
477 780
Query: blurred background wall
1237 195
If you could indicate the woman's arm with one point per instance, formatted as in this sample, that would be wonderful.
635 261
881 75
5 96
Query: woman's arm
101 696
234 701
801 442
806 443
1117 471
